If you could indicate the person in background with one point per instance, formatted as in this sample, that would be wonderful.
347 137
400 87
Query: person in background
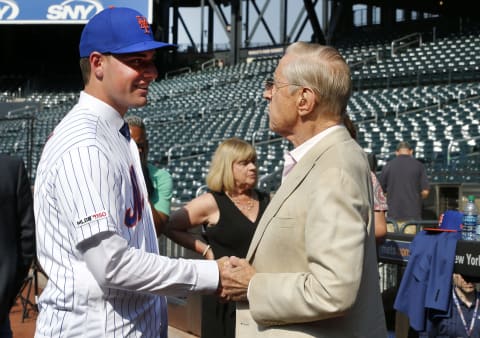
96 239
229 214
405 183
159 181
463 318
379 200
380 205
311 268
17 234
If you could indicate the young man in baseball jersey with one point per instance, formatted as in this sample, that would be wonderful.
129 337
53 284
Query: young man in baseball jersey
95 235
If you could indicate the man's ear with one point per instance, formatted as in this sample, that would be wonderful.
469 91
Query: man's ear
306 101
96 63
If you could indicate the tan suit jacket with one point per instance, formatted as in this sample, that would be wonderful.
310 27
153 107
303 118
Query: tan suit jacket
314 251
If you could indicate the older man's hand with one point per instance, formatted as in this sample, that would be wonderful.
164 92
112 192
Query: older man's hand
235 276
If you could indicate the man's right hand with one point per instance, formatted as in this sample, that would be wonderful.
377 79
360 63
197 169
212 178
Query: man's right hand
235 277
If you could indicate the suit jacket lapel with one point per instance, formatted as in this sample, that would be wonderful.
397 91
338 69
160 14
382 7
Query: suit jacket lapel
294 178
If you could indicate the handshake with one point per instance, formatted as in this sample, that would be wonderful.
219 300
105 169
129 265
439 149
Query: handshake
235 274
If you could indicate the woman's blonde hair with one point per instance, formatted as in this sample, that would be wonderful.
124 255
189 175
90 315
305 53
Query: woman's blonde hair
220 176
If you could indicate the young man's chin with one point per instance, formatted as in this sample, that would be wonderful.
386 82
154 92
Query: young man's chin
140 102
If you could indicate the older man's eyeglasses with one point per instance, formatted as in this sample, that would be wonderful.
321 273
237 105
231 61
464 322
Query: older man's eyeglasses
270 83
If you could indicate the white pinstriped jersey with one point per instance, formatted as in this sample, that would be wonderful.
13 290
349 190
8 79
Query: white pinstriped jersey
89 181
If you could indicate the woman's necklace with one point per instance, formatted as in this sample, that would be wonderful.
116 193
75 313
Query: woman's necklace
243 205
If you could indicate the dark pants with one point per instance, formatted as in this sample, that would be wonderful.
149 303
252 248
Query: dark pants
5 330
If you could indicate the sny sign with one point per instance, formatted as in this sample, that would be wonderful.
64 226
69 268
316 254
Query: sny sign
9 10
74 10
64 11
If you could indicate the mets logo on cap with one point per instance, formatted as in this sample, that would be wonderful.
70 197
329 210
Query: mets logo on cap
143 23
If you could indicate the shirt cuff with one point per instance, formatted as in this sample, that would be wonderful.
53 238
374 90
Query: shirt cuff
206 269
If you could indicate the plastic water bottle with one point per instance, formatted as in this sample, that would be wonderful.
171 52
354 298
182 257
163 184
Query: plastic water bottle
470 216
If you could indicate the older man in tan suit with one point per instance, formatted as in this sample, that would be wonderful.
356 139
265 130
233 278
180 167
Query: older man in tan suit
311 270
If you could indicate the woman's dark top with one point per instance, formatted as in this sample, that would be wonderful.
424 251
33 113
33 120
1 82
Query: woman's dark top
231 236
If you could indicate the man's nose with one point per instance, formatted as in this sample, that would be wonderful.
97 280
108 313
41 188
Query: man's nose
267 95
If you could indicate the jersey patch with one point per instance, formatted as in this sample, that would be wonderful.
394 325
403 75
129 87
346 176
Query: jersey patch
95 217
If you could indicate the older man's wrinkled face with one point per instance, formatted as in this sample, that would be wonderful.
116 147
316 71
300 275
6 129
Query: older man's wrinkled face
282 108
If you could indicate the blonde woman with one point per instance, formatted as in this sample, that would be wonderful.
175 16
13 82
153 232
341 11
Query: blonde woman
229 214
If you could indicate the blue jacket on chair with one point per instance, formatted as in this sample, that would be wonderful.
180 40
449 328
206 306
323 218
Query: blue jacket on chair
426 283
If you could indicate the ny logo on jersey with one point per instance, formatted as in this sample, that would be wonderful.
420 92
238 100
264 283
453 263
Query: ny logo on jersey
143 23
132 217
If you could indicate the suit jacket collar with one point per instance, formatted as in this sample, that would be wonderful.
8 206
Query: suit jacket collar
293 180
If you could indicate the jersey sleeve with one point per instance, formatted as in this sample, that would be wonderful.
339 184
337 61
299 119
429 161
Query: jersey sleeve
87 191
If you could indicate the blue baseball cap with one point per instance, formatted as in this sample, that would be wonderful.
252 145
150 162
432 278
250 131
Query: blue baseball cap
118 30
449 221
